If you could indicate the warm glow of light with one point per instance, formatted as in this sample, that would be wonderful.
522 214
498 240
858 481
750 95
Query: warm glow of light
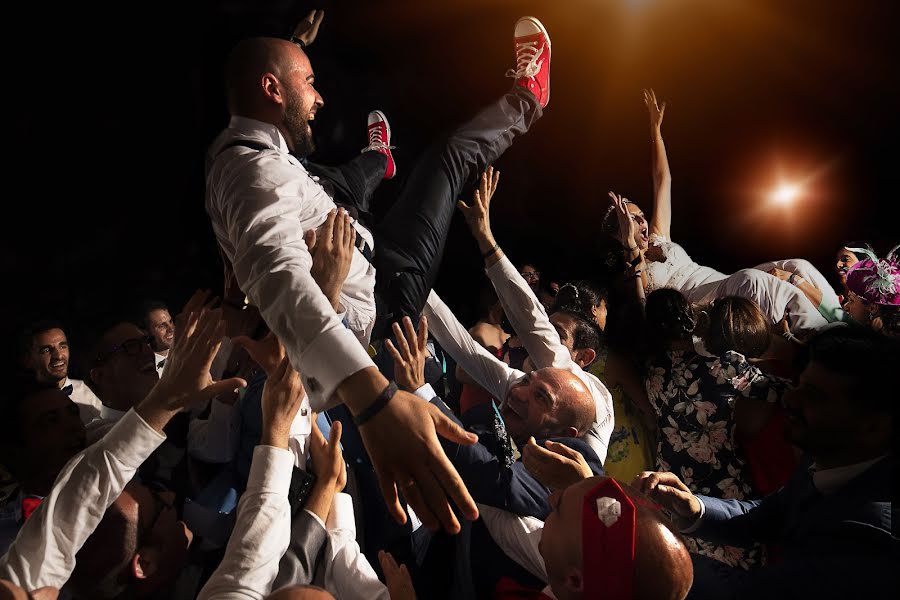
785 193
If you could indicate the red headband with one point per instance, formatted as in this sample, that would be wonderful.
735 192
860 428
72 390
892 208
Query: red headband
608 521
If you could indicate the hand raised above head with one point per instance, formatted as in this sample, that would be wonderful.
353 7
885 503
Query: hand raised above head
478 215
281 398
308 28
186 380
409 360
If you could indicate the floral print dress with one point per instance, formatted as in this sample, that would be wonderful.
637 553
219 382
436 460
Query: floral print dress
694 398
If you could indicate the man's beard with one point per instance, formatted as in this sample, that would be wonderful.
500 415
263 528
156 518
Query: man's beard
296 121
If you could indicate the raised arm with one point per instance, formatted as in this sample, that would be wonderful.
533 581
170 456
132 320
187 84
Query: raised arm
662 177
522 308
44 552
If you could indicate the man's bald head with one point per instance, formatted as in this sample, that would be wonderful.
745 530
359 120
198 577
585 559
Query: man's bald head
548 402
248 62
301 592
271 80
662 567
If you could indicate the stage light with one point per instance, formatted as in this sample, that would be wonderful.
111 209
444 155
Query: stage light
785 194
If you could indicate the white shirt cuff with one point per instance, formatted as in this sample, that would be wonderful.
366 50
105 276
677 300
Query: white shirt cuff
696 525
341 516
270 470
426 392
132 440
333 356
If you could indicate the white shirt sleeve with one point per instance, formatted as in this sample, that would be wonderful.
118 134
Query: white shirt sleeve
261 534
259 207
215 438
487 370
348 574
43 554
527 316
517 536
540 338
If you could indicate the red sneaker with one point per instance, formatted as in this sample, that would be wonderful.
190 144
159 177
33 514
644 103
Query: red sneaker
532 59
380 140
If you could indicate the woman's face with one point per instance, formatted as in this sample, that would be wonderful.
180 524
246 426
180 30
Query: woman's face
641 235
599 313
845 260
857 308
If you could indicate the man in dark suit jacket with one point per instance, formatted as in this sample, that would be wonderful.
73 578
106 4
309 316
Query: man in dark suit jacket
833 520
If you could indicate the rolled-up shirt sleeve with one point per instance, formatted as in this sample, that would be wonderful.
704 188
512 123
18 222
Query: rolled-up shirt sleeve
261 210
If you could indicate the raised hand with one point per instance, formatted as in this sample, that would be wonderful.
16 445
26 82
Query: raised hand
332 252
655 111
403 445
327 459
186 380
308 28
671 493
199 300
399 583
280 402
556 465
268 352
478 215
409 361
627 231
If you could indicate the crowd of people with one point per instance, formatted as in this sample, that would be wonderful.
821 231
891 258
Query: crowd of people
326 427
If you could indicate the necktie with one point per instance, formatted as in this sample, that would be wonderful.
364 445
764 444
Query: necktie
67 390
161 364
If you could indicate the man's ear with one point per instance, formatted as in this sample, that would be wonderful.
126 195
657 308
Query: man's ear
144 563
585 357
570 432
271 88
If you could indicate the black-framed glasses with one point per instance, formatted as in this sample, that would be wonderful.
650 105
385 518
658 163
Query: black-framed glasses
531 275
130 347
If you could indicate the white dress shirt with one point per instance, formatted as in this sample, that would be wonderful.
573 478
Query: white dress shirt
159 359
43 554
261 533
496 376
518 537
528 317
348 574
215 439
88 402
260 204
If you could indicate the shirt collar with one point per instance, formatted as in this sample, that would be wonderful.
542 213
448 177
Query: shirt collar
828 481
258 130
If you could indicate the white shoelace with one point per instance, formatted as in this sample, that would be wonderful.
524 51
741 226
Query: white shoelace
527 63
376 142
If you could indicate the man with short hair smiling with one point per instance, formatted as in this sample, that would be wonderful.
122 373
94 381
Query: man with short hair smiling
157 321
833 519
46 349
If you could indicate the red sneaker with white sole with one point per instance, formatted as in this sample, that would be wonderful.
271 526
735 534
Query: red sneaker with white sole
380 140
532 70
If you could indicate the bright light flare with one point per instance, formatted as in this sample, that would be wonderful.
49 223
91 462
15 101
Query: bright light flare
785 194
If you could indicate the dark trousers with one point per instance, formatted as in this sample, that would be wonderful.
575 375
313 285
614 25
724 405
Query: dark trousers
410 239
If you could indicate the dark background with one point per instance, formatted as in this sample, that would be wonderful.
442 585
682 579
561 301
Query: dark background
110 111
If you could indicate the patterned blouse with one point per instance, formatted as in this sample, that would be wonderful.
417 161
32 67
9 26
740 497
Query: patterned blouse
694 397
